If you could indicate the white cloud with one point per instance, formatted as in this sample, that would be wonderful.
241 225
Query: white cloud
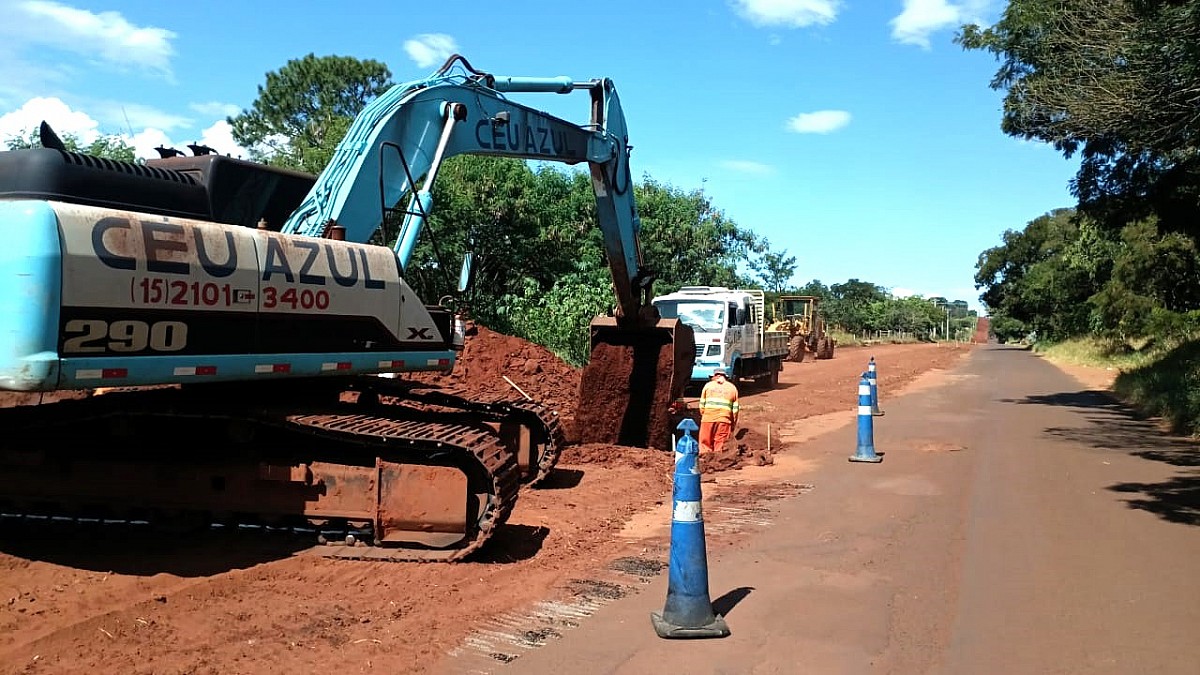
215 109
123 116
746 166
789 13
921 18
219 137
150 128
146 140
819 122
64 121
430 49
104 37
111 117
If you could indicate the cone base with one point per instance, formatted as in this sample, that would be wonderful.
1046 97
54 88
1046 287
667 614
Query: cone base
872 459
715 628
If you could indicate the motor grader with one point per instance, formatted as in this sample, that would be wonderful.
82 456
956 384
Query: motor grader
800 317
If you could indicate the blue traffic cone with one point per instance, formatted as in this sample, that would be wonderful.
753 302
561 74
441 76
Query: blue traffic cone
866 432
874 388
688 612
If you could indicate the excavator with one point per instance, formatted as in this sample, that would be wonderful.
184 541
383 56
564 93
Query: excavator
251 343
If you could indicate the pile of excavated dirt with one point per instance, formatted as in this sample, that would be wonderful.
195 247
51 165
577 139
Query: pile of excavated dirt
620 404
616 455
603 435
488 357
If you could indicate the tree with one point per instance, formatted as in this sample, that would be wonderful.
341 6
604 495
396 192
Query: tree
1042 276
1153 275
850 305
815 288
687 241
305 107
773 269
1117 81
110 146
1007 329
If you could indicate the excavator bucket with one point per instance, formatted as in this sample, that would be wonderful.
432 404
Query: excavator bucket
630 381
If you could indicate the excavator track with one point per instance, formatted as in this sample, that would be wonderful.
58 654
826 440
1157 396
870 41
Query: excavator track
484 447
531 430
418 490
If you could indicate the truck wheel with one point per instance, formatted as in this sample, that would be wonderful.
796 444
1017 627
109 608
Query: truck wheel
773 377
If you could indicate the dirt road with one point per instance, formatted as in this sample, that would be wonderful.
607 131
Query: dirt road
1020 523
75 602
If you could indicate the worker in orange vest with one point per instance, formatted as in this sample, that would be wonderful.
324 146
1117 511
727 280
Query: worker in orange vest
718 412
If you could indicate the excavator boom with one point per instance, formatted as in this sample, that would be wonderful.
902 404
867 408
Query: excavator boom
392 153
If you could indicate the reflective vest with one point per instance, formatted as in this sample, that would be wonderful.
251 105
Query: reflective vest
718 402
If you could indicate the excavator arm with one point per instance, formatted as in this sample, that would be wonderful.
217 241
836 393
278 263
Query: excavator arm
395 147
639 363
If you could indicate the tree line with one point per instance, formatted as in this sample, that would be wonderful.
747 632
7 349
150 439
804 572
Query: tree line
1117 83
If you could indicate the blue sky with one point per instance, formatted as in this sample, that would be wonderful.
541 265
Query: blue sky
851 133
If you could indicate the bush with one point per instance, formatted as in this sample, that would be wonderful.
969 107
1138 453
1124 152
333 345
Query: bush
1168 387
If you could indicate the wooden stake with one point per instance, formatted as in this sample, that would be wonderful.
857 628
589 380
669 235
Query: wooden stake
514 386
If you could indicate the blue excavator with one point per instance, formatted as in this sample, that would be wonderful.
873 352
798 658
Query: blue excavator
238 321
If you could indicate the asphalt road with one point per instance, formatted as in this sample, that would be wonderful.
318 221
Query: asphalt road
1017 524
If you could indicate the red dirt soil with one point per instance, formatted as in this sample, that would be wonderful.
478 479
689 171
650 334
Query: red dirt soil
628 385
79 602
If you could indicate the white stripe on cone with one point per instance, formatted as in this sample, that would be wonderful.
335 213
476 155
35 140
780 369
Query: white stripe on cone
687 512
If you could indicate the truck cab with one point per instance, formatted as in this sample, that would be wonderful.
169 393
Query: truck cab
729 331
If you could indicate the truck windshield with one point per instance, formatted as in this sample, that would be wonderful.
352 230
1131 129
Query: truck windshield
703 317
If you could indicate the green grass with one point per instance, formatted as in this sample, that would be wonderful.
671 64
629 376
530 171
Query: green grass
1168 388
1160 380
1100 352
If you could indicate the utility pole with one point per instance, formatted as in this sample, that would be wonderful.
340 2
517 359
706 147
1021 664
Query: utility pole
946 309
